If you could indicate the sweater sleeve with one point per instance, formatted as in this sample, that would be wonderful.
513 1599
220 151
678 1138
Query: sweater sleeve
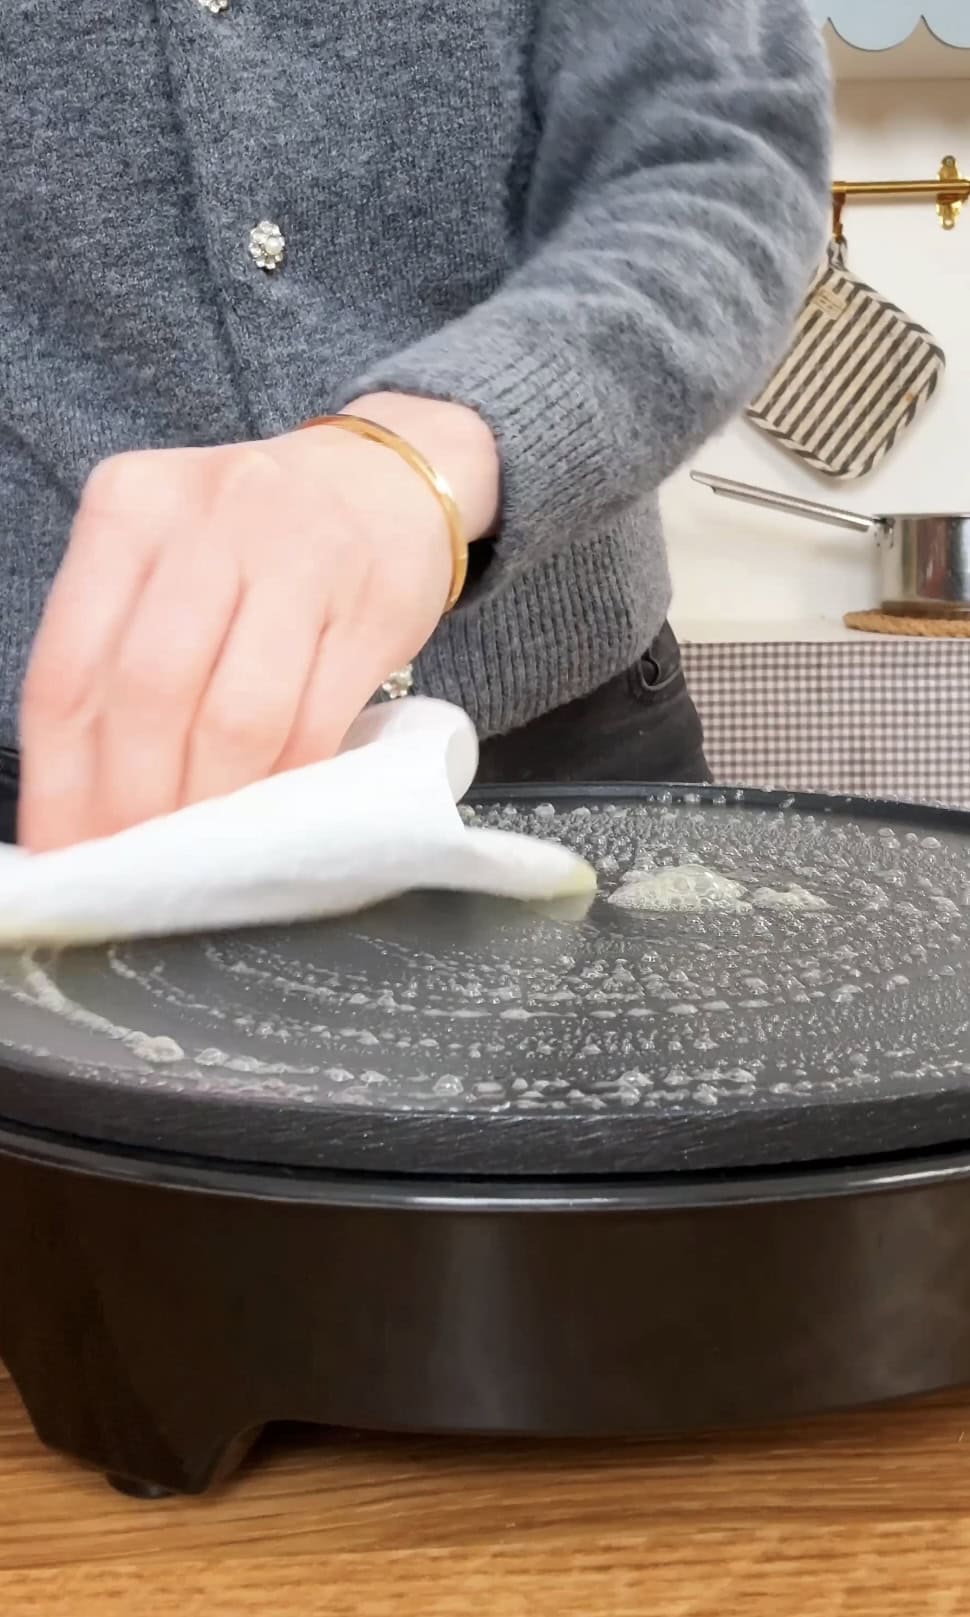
675 211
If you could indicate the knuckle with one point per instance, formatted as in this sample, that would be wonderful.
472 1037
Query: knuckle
248 470
117 483
147 683
57 682
51 693
249 727
127 496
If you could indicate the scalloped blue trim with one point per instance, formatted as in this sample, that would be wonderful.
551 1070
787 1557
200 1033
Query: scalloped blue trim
877 25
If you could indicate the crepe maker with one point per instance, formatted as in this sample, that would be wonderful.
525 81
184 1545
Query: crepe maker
463 1166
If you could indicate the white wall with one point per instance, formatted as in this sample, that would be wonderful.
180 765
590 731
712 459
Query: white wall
732 563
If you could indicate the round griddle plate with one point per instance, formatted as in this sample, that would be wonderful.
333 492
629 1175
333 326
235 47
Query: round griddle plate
444 1034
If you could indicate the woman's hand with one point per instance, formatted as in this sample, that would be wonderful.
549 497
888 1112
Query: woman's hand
223 614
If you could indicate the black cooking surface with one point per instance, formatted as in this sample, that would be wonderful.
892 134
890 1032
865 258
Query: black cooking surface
449 1034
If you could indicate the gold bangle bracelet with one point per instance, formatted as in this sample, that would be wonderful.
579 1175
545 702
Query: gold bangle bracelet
438 485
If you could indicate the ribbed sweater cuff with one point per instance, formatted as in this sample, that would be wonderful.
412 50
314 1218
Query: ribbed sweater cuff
568 624
553 440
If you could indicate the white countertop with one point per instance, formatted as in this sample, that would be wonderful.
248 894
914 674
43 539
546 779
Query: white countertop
808 631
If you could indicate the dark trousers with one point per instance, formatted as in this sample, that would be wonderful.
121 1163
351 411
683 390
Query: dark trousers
9 778
642 726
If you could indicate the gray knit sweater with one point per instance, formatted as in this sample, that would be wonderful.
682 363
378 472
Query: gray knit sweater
590 219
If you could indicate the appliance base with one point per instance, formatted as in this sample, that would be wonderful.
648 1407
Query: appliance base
158 1315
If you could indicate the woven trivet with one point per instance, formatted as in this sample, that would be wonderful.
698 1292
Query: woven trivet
926 628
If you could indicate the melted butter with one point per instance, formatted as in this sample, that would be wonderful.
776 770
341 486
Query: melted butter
680 887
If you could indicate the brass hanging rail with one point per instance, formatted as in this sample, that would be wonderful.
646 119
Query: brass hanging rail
949 191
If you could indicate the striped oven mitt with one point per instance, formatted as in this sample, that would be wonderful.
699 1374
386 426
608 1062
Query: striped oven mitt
857 374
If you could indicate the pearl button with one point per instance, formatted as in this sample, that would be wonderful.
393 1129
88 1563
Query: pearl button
398 685
216 7
267 245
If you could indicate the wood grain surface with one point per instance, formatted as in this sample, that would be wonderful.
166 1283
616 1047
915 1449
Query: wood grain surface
853 1516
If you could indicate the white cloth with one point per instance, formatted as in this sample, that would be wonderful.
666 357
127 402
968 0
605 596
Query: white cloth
378 820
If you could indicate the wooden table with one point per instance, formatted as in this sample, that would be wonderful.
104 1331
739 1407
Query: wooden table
855 1516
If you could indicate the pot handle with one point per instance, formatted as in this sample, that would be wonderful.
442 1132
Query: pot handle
789 503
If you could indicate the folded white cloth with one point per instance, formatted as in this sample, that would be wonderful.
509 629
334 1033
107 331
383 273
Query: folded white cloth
378 820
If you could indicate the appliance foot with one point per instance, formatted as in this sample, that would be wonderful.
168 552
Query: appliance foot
139 1490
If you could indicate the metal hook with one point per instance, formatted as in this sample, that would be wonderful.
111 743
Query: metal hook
950 191
838 211
949 207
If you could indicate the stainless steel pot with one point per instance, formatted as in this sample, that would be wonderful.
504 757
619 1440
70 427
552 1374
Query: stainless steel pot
925 559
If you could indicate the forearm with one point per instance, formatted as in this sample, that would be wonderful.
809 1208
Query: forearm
676 207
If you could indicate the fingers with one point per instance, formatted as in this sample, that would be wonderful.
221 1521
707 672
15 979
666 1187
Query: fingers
172 652
221 614
159 674
343 679
241 721
247 711
210 671
111 553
